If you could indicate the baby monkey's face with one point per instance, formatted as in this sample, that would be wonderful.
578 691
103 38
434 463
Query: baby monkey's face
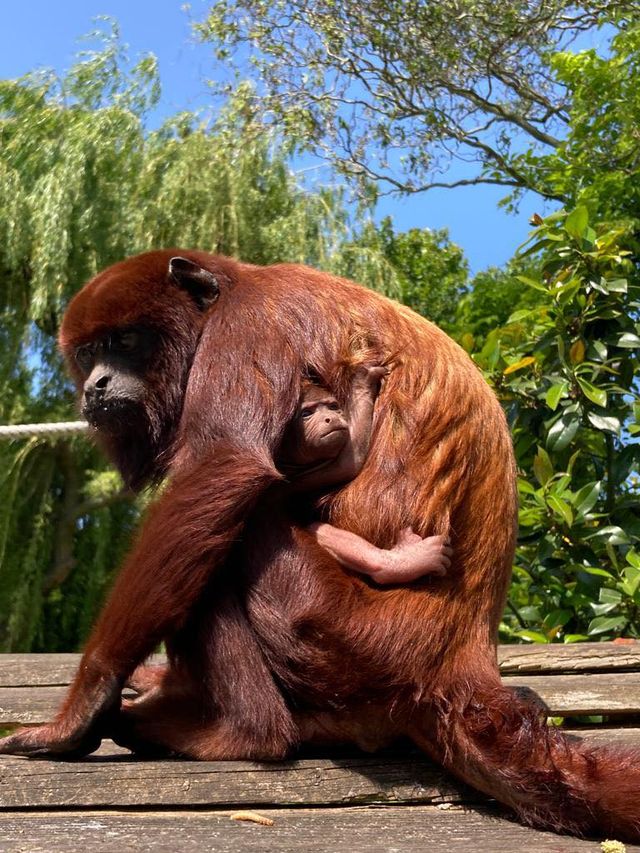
321 428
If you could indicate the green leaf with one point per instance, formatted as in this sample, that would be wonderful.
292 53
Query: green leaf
600 286
522 314
576 222
613 535
600 349
556 619
468 342
633 558
606 423
542 467
524 487
610 596
605 624
572 461
561 508
594 570
531 282
555 393
529 613
562 432
587 497
532 636
596 395
617 285
631 581
629 341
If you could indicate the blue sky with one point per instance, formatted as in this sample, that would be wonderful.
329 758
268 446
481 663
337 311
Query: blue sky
39 33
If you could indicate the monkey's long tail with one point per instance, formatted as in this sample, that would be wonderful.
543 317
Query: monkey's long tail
501 744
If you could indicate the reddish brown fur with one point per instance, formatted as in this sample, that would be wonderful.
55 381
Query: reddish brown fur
358 663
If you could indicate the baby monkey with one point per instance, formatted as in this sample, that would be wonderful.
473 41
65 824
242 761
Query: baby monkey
326 446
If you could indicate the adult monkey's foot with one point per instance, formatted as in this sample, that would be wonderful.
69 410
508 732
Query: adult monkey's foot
78 729
50 740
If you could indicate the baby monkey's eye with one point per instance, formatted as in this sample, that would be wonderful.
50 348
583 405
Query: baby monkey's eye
335 406
306 413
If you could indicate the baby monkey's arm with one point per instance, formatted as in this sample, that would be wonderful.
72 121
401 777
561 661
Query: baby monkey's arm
409 559
364 393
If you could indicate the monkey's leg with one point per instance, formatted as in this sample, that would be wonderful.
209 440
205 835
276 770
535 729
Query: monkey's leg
161 581
172 723
368 726
218 698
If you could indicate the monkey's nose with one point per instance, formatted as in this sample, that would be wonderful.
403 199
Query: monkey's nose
96 390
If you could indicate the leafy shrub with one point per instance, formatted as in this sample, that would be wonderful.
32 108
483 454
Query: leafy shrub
567 373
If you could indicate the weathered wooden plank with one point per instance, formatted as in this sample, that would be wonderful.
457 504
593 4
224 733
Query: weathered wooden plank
113 779
29 704
36 669
564 695
359 830
117 781
587 693
42 670
607 735
24 670
572 657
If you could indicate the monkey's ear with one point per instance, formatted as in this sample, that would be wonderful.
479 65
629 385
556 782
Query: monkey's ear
201 285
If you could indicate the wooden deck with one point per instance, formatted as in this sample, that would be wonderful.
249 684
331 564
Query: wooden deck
342 802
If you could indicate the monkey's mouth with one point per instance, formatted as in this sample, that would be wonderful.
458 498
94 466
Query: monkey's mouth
114 414
334 438
334 431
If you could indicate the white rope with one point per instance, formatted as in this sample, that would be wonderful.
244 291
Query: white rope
27 430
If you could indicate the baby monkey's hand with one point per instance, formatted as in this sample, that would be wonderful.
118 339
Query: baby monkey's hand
370 375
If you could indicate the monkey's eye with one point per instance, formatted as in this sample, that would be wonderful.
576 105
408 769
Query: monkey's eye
335 407
306 413
125 341
84 357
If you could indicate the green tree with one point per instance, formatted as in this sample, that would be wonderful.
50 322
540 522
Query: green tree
567 373
394 92
431 270
493 295
83 184
421 268
598 162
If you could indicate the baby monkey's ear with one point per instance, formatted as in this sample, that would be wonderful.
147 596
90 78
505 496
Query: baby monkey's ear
201 285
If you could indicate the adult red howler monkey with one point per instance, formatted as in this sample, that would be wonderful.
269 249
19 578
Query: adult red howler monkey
191 366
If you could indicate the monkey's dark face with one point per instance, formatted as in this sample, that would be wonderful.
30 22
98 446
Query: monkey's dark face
115 393
129 337
321 430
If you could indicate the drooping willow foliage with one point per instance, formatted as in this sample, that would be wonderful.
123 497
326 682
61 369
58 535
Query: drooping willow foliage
83 183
